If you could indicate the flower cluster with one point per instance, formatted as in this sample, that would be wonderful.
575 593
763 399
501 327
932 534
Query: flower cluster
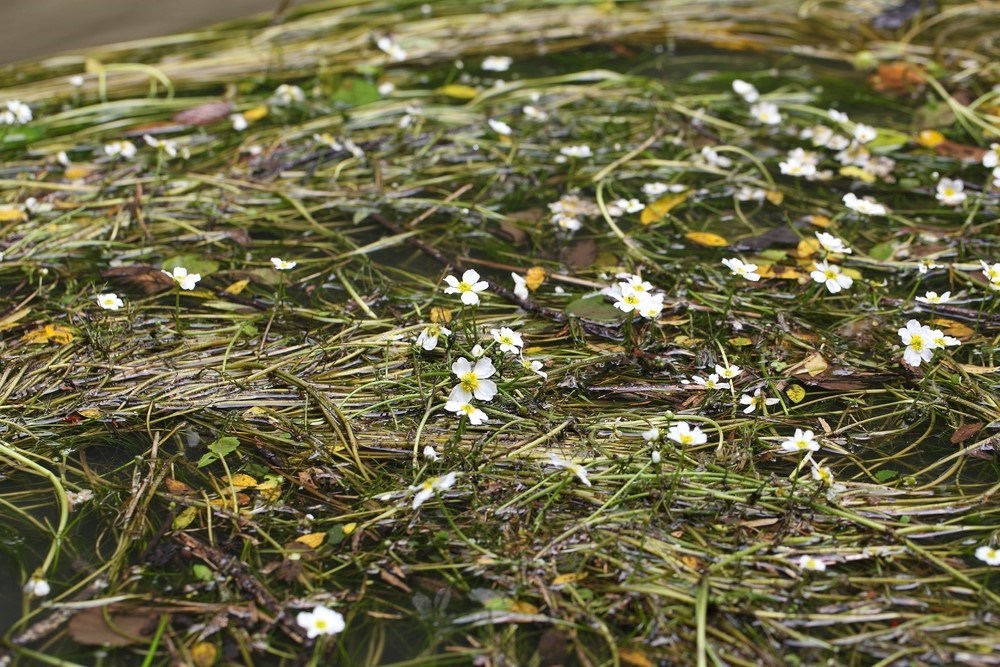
633 294
921 341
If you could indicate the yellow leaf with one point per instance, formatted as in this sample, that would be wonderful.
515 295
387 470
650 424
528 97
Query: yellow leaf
90 413
795 393
740 341
807 247
929 138
184 519
857 172
9 214
458 91
631 657
814 364
255 114
242 481
820 221
204 654
440 315
853 273
520 607
271 493
775 197
236 287
954 328
76 172
692 562
312 540
707 239
350 528
534 278
658 209
49 333
782 272
569 578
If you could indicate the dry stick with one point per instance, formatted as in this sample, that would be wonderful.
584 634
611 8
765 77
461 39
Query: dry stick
239 571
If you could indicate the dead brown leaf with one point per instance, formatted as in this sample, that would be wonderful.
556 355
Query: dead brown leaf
147 278
966 431
121 627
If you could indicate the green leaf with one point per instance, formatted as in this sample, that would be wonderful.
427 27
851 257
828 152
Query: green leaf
594 308
355 91
224 445
882 251
193 263
886 474
202 572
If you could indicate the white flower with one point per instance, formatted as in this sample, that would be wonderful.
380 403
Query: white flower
76 80
534 366
711 382
919 343
866 206
469 287
757 400
460 407
838 116
320 621
710 157
988 555
427 489
864 133
16 113
163 146
327 140
533 112
520 286
239 121
472 380
682 433
510 341
630 299
575 468
123 148
499 127
652 307
185 280
109 301
431 454
654 190
391 48
37 587
766 113
810 563
654 456
934 297
832 244
742 269
287 94
747 193
951 192
746 90
991 158
831 276
630 205
386 88
652 435
992 272
926 264
800 442
580 151
478 351
822 474
996 177
800 163
428 338
728 372
497 63
282 264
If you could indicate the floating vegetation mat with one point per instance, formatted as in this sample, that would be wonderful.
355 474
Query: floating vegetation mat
530 333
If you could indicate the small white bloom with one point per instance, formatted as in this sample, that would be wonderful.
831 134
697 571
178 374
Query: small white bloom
533 112
746 90
866 206
655 456
120 149
37 587
992 272
386 88
109 301
822 474
16 113
185 280
711 382
391 48
838 116
497 63
427 489
320 621
712 158
802 441
520 286
575 468
631 300
934 298
747 193
652 435
581 151
683 433
162 146
460 407
766 113
951 192
652 307
654 190
831 276
988 555
810 563
76 80
755 401
742 269
864 133
239 121
472 380
430 454
832 244
282 264
919 343
428 338
534 366
287 94
728 372
499 127
469 287
630 205
510 341
991 158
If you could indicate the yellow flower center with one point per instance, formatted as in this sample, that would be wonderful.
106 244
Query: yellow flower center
917 342
469 382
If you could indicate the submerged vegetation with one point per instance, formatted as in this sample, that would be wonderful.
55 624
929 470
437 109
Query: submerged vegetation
537 333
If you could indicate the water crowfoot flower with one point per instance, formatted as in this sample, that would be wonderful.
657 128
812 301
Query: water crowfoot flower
988 555
831 276
120 149
729 371
510 341
164 147
460 407
534 366
320 621
832 244
428 338
499 127
992 273
919 342
575 468
282 265
742 269
755 401
683 434
391 48
934 298
37 587
581 151
109 301
496 63
180 275
710 382
469 287
866 206
766 113
427 489
746 90
822 474
951 192
287 94
652 435
16 113
802 441
431 454
809 563
520 286
472 380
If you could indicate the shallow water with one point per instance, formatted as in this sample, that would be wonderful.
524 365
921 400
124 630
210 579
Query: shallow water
47 27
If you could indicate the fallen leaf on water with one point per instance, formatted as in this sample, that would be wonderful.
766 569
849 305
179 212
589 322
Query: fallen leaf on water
204 114
534 278
458 91
634 658
312 540
707 239
795 393
569 578
966 431
121 628
10 214
954 328
49 333
204 654
657 210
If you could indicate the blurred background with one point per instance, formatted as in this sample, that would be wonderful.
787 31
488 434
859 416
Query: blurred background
39 28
